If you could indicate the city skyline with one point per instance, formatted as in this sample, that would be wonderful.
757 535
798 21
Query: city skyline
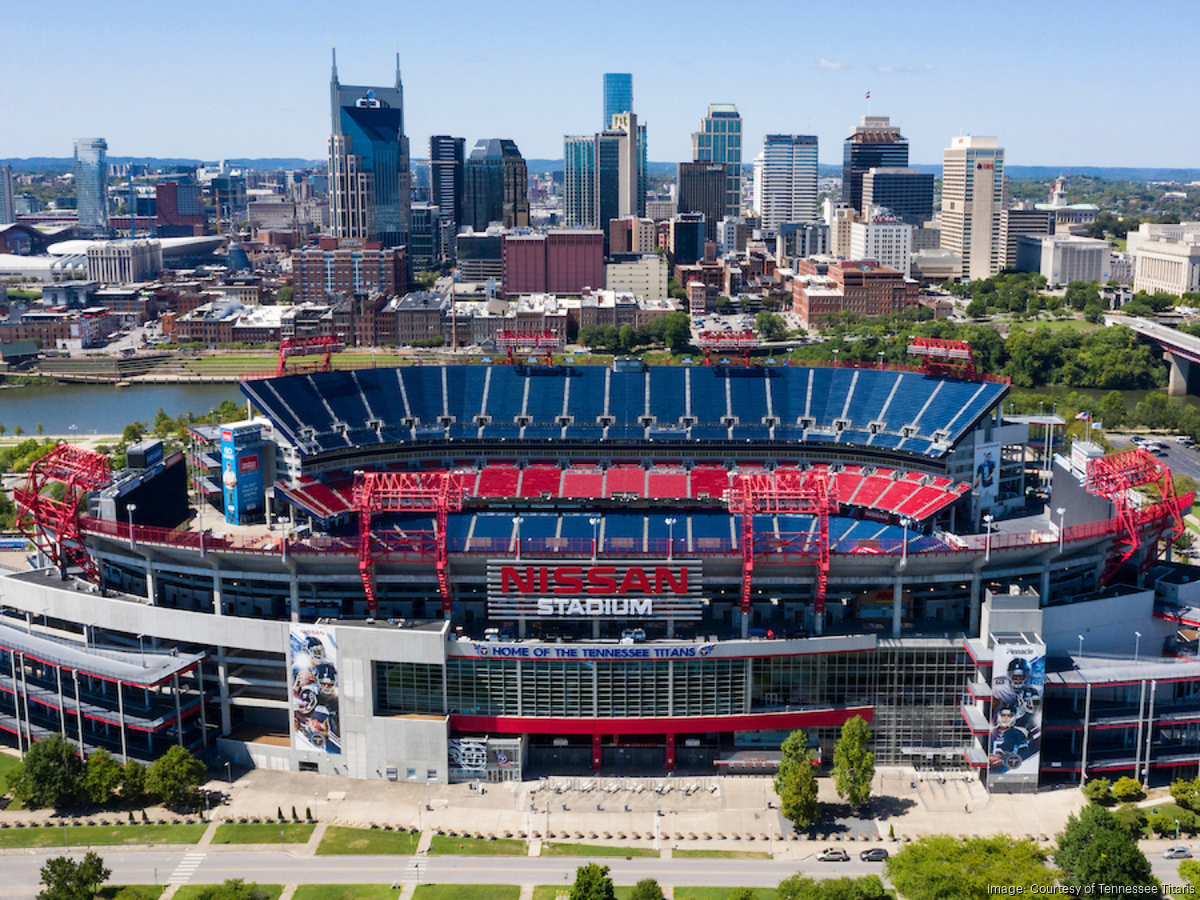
256 89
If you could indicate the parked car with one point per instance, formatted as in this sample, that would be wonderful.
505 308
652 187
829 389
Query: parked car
1177 853
875 854
833 854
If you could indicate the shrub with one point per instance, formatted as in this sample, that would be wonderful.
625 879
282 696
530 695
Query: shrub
1127 789
1099 790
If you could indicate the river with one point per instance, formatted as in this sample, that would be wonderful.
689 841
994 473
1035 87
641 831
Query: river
105 408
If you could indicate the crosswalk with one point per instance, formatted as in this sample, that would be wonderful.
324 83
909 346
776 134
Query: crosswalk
186 869
413 871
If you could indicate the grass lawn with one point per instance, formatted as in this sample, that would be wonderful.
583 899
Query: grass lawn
293 833
444 844
715 893
344 892
1057 325
341 840
720 854
7 764
467 892
595 850
98 835
131 892
192 891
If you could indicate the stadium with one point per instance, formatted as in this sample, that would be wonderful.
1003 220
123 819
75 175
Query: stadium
494 571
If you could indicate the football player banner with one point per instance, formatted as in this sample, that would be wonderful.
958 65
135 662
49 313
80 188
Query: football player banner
314 689
1018 684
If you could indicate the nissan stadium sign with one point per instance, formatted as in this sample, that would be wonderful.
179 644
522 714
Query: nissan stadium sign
554 589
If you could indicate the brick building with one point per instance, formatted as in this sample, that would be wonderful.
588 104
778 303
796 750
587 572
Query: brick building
346 266
559 262
864 287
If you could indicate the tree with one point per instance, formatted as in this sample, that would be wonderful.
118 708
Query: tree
1098 790
41 429
50 775
233 889
133 782
677 331
102 776
175 776
1189 871
1127 789
796 782
800 887
66 879
18 430
1095 848
853 763
769 326
285 294
592 883
743 893
1185 791
1112 409
941 866
626 337
647 889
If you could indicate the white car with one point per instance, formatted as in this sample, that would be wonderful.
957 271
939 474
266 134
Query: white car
1177 853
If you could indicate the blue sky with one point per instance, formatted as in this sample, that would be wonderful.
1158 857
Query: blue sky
1060 82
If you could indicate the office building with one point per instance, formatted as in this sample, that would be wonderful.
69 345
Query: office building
447 177
1166 258
883 238
907 193
8 212
686 238
972 200
91 182
497 186
719 140
179 209
604 175
863 287
1064 258
702 188
560 262
124 262
618 96
643 275
785 180
800 240
346 267
631 235
424 237
874 144
1014 223
731 236
370 192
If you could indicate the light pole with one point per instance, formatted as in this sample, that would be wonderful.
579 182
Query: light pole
987 541
880 359
131 509
1062 512
229 772
835 358
595 523
1137 646
73 428
142 649
670 536
905 523
1081 645
517 520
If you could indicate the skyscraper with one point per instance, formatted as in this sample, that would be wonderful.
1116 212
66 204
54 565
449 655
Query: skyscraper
906 192
785 180
370 182
8 213
497 186
720 140
91 182
972 200
874 144
447 178
702 189
618 96
604 175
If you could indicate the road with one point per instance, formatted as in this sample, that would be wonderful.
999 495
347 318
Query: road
20 872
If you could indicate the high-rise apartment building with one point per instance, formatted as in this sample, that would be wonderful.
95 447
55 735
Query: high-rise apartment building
8 211
618 95
785 180
874 144
497 186
335 267
702 189
884 238
906 192
604 175
720 140
447 177
370 182
972 200
91 182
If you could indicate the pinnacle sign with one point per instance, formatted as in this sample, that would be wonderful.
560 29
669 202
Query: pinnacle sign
641 589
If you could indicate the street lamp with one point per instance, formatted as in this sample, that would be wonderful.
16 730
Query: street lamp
1137 646
142 648
670 535
595 523
1062 512
835 358
131 509
229 771
517 520
881 359
987 541
1080 645
73 428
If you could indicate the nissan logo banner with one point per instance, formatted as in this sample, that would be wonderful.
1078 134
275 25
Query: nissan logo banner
552 589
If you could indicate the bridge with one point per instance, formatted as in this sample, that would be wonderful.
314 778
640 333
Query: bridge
1182 351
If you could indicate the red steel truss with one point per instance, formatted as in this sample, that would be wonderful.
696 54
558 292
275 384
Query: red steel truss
440 493
307 346
53 525
1115 477
732 342
791 492
944 358
531 340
